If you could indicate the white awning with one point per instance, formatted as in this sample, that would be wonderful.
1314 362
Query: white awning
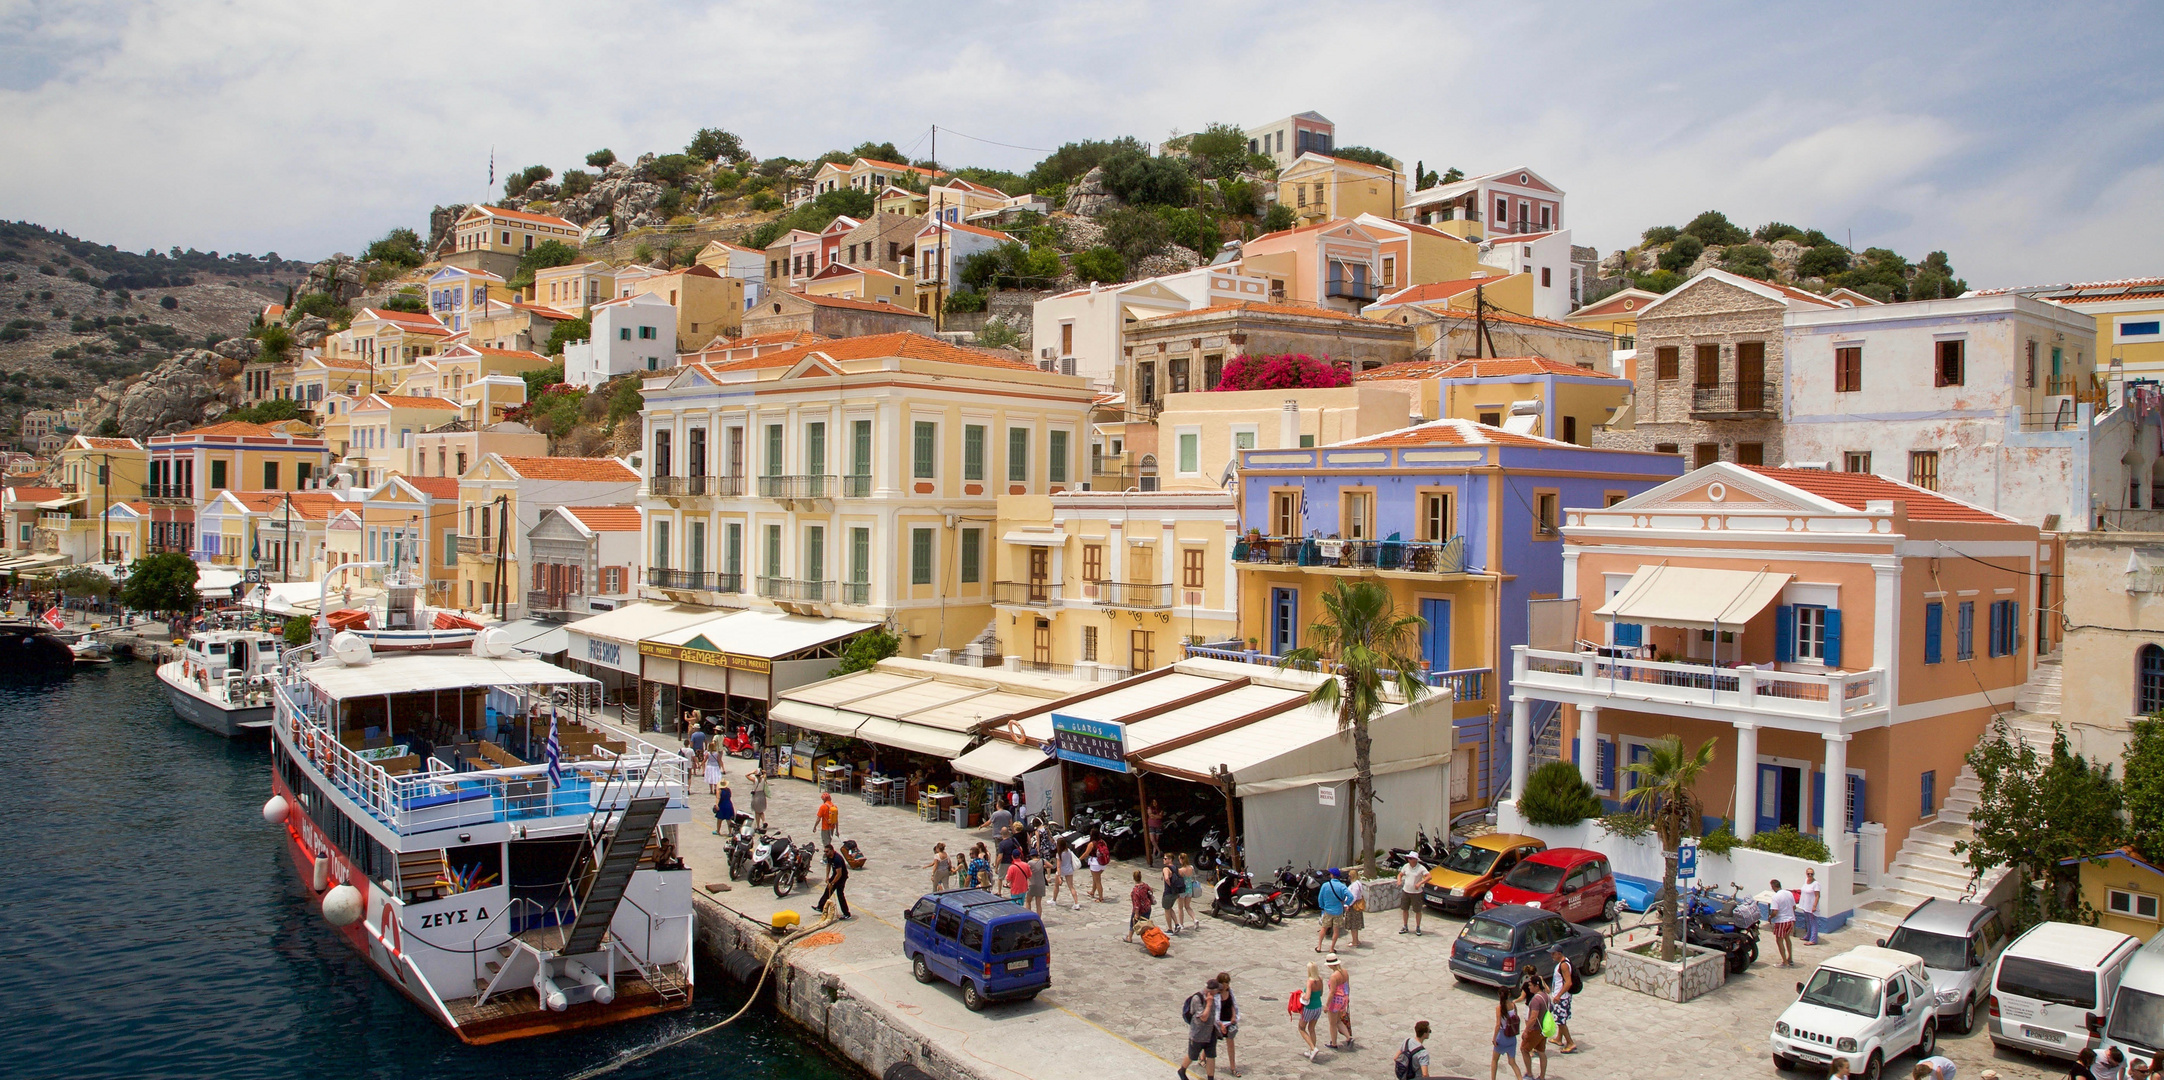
538 636
417 672
1001 761
772 635
1040 537
215 579
634 622
914 737
1693 597
816 718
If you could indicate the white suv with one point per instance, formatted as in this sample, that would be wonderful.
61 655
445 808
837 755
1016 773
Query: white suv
1866 1006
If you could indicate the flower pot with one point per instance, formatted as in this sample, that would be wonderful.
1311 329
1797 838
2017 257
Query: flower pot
1640 968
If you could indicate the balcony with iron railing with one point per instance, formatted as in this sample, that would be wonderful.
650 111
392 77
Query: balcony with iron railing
1341 288
1026 593
1696 688
1522 227
857 486
1130 594
546 601
1747 400
814 486
1462 685
479 545
695 486
796 590
1380 556
169 492
662 577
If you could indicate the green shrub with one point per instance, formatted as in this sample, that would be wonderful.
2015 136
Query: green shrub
964 300
1660 234
1626 823
168 303
1556 795
1721 840
1749 260
712 143
998 335
298 629
601 159
1714 228
1100 264
1279 218
1681 254
1787 841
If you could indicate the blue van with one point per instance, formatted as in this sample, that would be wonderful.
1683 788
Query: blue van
991 947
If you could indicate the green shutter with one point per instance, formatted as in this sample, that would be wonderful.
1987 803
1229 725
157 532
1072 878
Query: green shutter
1055 457
1018 455
773 449
860 449
972 539
920 556
815 449
973 452
926 437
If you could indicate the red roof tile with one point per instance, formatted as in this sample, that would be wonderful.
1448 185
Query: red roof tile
861 305
96 443
230 427
607 518
570 468
1436 290
409 401
911 346
33 494
1450 433
435 487
1854 489
521 215
402 317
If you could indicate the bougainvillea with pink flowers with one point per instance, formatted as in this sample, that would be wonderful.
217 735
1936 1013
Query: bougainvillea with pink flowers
1290 371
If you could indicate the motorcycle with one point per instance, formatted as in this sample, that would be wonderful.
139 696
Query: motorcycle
1210 852
1123 834
1299 891
768 853
741 744
1727 923
1237 898
739 846
1431 854
794 865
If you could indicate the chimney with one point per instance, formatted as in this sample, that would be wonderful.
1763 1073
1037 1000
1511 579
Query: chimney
1289 425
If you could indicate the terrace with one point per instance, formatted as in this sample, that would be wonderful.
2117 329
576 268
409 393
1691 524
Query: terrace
1361 556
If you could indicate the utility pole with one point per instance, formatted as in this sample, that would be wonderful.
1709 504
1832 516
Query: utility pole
939 214
1480 319
105 515
503 537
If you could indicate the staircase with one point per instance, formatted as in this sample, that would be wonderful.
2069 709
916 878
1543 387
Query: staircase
611 874
1926 865
1546 744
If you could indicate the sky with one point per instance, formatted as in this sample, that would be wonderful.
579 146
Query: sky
2027 142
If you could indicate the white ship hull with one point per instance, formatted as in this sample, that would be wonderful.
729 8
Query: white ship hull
211 714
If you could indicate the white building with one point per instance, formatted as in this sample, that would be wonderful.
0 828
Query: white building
1509 201
738 261
1283 141
631 333
1078 332
582 559
1546 256
942 247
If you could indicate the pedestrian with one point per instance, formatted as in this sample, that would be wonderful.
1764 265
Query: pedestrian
1171 888
1560 992
1356 907
1338 1001
1009 851
1002 823
698 737
1807 906
1188 884
1066 878
1412 894
980 867
1138 903
1310 999
1228 1019
758 799
1018 881
1935 1067
713 769
1200 1012
2110 1065
724 809
1784 923
1036 884
1412 1059
1506 1035
941 866
837 883
1534 1039
1153 822
1333 897
1100 857
2084 1066
828 817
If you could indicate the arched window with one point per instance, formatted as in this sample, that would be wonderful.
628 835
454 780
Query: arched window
2150 696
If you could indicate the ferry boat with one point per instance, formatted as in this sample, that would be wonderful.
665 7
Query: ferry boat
221 681
471 830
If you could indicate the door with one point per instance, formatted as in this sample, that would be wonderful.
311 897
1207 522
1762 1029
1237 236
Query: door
1040 561
1780 796
1750 376
1284 621
942 957
1043 644
1435 636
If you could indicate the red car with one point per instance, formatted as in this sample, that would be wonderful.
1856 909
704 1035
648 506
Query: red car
1572 882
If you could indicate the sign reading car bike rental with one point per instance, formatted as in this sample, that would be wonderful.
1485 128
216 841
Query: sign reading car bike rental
1102 743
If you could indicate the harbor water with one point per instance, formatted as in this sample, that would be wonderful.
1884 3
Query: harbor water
152 926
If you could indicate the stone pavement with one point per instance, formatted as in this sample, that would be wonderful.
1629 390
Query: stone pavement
1113 1011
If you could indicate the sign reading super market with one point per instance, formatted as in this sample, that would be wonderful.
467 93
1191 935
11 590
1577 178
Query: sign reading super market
1101 743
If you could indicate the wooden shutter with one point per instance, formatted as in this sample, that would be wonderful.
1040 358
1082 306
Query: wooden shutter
1832 655
1934 616
1784 634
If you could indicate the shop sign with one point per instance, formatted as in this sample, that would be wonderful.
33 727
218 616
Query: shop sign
732 661
604 652
1101 743
1326 794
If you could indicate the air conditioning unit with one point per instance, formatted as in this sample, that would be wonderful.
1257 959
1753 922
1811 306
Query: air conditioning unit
1066 367
1047 365
1045 353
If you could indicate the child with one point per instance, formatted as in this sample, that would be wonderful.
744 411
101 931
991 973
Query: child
1138 899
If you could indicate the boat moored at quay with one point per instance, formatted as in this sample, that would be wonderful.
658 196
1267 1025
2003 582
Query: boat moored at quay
469 828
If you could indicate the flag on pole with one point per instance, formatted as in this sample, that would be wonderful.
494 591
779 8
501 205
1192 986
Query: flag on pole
492 168
555 756
54 619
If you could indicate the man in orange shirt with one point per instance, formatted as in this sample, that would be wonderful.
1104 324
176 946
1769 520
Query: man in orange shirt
829 819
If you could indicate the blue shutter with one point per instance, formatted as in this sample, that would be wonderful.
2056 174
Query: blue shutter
2013 627
1605 772
1630 634
1934 614
1784 634
1832 657
1855 802
1998 623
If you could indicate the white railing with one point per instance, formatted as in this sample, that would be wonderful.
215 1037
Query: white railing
1832 695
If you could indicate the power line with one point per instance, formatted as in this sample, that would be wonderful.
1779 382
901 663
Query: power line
995 142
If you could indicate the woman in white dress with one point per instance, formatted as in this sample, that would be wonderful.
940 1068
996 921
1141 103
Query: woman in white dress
713 771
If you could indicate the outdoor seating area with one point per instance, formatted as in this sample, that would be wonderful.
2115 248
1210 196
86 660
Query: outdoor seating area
1389 553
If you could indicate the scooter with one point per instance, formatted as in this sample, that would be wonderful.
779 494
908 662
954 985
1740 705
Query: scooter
1237 898
741 744
739 846
1430 854
769 853
1299 891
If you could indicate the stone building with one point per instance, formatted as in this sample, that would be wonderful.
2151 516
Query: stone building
1708 380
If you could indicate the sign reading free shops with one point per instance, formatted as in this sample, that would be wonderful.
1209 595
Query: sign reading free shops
1100 743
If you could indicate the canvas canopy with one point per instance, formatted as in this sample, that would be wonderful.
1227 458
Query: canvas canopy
1693 597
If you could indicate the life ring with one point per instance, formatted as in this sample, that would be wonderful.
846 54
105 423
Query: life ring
393 938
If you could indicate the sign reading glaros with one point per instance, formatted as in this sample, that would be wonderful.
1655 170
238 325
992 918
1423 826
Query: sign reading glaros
732 661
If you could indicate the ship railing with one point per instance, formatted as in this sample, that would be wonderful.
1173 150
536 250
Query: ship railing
434 998
473 948
654 924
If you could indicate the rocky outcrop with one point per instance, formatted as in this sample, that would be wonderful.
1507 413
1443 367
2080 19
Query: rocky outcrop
238 348
310 331
341 276
184 392
1173 260
440 221
1089 196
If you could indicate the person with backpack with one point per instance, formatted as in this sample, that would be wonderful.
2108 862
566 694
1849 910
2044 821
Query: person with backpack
1538 1023
1203 1028
828 818
1561 989
1412 1060
1100 859
1506 1035
1333 897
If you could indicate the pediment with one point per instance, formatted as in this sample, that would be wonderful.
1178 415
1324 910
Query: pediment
1727 488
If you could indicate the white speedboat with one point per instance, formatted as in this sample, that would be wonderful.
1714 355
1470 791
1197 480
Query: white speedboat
222 680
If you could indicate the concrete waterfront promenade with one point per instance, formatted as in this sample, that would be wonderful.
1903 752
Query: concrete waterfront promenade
1113 1011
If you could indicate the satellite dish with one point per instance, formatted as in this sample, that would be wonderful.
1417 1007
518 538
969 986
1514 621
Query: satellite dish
492 643
351 649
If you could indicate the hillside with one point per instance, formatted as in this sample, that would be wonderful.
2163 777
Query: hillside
1667 256
78 315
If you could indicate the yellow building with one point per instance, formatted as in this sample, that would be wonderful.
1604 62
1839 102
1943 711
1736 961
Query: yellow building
1318 187
707 304
492 239
1413 254
1108 584
2129 320
381 429
514 326
103 469
901 200
1615 315
2125 889
574 286
1528 395
1202 433
386 342
863 283
127 532
192 467
414 521
501 498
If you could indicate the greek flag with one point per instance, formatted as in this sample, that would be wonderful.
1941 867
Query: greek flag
556 757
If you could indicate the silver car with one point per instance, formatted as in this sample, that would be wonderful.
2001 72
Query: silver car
1959 943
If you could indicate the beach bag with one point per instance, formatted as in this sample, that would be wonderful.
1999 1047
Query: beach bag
1155 941
1510 1024
853 855
1402 1066
1547 1024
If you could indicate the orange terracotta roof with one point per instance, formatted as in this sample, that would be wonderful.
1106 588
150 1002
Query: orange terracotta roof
96 443
343 363
409 401
435 487
1492 367
607 518
401 316
1450 433
1259 308
1435 290
571 468
316 505
1505 317
935 226
545 312
33 494
1854 489
898 165
527 354
272 311
912 346
521 215
230 427
1635 298
1328 223
861 305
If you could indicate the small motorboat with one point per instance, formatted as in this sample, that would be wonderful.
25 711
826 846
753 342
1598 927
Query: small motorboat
89 650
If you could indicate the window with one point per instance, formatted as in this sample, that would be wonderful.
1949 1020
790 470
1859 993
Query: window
1544 278
922 453
1190 452
1847 369
860 556
1213 371
1356 513
1093 562
1390 272
2149 693
2005 627
973 452
1924 469
1191 568
623 333
1089 644
1055 457
1706 370
695 548
1930 790
972 555
815 449
773 551
732 548
1858 461
1613 497
1667 362
217 475
646 333
1705 454
661 542
1436 520
1243 439
1667 448
2131 904
815 553
1965 630
1018 455
860 448
1176 376
1934 615
1548 505
920 556
1141 644
773 449
270 476
1285 513
1948 370
1492 419
1810 632
1146 382
1750 453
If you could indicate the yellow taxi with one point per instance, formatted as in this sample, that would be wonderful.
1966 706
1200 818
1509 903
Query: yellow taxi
1473 867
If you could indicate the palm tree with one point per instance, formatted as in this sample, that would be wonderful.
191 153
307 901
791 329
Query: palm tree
1367 645
1666 792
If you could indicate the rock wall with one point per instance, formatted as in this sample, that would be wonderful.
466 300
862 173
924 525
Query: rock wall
193 388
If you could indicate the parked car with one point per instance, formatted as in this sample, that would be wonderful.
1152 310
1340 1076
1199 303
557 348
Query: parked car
992 948
1499 946
2052 985
2137 1010
1959 943
1572 882
1867 1006
1473 867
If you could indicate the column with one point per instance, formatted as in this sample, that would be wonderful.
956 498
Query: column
1589 744
1521 746
1746 780
1834 818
